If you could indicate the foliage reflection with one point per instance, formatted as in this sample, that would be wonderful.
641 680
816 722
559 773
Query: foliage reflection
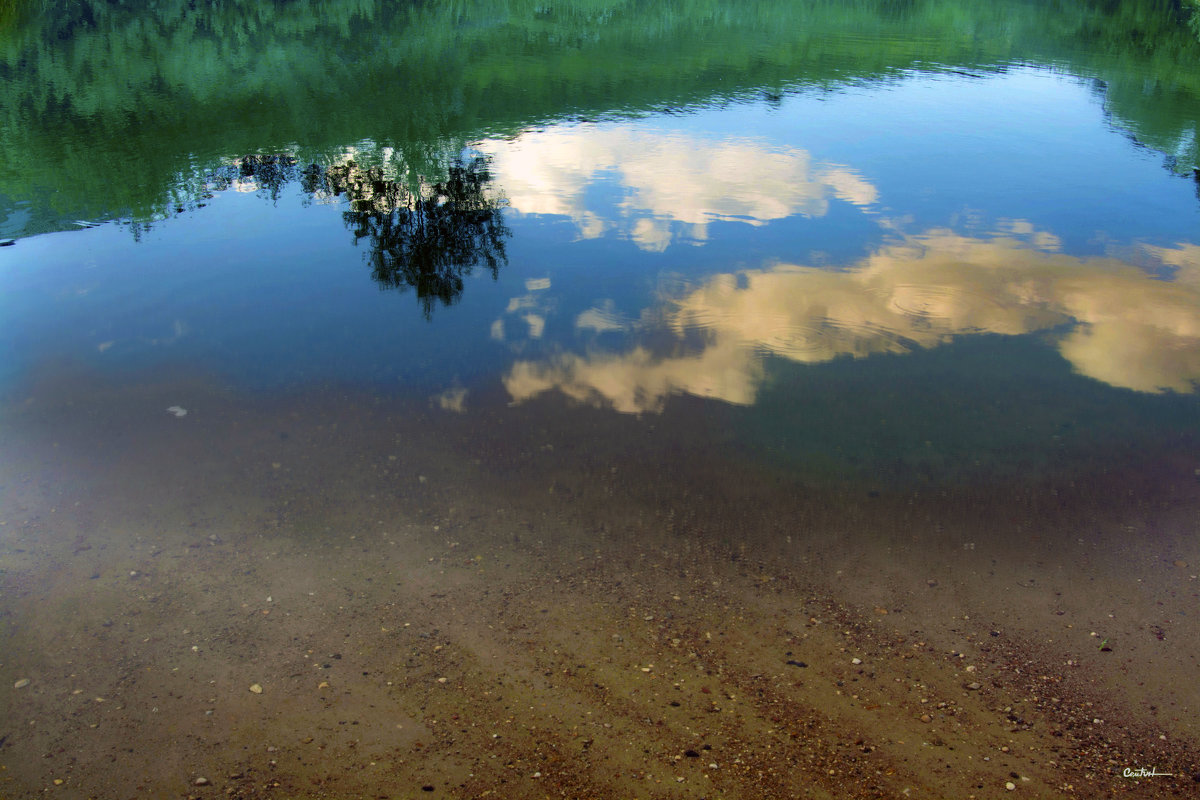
424 236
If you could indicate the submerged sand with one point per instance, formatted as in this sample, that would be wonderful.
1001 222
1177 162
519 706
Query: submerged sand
555 601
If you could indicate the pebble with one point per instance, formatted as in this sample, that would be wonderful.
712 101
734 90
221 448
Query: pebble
1181 564
256 688
926 718
856 661
973 686
1010 786
201 782
21 684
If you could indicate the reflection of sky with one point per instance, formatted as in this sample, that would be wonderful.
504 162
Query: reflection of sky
875 220
667 181
1113 322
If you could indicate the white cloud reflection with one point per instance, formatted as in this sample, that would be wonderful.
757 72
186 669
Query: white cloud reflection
1121 325
667 180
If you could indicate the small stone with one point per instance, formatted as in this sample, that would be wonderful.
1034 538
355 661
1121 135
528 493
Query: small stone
201 782
926 718
973 686
856 661
1010 786
21 684
256 688
1181 563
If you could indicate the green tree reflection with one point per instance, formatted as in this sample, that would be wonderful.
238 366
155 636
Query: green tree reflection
426 236
90 87
428 240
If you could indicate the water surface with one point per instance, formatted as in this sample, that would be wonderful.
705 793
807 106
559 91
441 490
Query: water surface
888 299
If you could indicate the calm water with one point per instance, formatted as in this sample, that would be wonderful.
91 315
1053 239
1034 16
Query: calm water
994 237
874 246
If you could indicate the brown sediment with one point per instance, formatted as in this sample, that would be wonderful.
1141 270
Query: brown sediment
551 601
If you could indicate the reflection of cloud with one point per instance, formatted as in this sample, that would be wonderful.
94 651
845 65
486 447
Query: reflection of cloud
638 382
1129 329
531 309
1186 257
179 329
536 323
667 178
600 319
453 399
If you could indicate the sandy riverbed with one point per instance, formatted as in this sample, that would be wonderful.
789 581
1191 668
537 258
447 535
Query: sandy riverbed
558 602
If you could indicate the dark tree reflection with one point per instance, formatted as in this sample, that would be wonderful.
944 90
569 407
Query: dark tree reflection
427 237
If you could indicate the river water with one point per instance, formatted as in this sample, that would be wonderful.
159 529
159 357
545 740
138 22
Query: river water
898 306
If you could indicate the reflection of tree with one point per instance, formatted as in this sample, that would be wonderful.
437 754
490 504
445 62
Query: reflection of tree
428 238
269 174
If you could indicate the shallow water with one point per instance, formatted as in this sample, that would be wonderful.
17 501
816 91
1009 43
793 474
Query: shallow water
567 306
